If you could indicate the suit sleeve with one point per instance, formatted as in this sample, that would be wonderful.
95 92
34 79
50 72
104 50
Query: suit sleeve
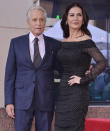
57 65
10 75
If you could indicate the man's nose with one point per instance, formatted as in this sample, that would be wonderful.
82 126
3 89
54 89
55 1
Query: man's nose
38 22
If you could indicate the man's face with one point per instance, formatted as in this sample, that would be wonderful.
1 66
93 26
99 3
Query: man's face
36 22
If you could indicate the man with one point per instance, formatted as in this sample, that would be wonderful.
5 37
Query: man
29 87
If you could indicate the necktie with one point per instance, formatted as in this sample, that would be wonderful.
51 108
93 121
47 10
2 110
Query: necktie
37 58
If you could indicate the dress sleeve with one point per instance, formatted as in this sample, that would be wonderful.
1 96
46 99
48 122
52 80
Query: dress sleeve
101 63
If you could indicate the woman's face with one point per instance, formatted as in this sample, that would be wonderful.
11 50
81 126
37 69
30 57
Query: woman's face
75 18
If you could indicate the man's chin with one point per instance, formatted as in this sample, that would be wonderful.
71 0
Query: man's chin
37 33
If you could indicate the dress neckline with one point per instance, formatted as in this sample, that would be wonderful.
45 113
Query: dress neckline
76 41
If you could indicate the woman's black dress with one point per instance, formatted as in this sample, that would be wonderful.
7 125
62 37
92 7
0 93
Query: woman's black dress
72 101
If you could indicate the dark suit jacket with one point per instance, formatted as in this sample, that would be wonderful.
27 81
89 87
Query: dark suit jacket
21 77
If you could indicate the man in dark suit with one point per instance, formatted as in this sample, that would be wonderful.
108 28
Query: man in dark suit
29 87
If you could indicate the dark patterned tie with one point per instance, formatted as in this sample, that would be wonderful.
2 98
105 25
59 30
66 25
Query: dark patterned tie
37 58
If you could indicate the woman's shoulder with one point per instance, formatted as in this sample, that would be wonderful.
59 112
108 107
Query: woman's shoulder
85 37
88 42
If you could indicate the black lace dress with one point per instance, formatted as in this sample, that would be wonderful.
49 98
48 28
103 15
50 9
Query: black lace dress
72 101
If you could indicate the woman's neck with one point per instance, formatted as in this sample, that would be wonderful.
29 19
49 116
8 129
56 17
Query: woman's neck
75 34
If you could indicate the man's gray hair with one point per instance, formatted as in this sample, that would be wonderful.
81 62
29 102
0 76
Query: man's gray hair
36 8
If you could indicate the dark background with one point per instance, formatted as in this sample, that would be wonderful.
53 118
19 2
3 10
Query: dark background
96 9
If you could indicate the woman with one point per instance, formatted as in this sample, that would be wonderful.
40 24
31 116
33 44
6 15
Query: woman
75 57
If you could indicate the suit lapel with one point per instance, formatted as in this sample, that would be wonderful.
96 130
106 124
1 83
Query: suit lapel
47 49
27 50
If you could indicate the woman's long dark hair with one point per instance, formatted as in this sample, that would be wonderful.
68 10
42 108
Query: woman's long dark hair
65 26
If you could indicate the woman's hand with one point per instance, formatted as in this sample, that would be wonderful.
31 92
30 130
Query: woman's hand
90 69
74 79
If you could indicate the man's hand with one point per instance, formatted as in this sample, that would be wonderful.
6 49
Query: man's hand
10 110
88 71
